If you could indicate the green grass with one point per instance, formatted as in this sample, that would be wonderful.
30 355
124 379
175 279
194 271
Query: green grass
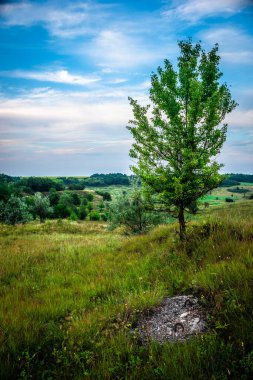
114 190
71 293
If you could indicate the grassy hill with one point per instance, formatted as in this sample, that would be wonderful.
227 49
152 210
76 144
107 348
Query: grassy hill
71 293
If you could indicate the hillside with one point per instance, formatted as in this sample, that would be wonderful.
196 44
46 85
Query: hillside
73 292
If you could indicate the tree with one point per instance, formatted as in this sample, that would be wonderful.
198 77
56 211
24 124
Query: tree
132 211
42 206
179 137
54 197
15 211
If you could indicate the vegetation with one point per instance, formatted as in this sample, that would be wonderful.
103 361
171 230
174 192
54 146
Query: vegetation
98 180
176 148
14 211
71 294
132 211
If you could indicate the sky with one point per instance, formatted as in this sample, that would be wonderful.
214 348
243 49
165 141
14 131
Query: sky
67 69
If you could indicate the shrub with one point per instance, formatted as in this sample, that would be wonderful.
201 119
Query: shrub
42 206
104 217
15 211
82 212
238 190
229 200
94 215
73 216
76 199
106 196
54 197
62 211
133 212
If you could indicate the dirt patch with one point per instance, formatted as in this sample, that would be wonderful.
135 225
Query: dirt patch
176 319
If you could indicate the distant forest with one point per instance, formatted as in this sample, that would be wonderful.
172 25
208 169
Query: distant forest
31 185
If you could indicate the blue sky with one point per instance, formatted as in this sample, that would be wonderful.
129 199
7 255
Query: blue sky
68 67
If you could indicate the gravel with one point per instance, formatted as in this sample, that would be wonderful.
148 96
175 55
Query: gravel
176 319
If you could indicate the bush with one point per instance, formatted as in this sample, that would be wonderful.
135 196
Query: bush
133 213
106 196
73 216
62 211
82 213
94 215
238 190
229 200
54 197
42 206
15 211
104 217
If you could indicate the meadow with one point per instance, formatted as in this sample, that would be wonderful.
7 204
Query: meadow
72 292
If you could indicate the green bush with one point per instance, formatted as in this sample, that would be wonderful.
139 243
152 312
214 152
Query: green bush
94 215
42 206
15 211
132 211
82 213
73 216
62 211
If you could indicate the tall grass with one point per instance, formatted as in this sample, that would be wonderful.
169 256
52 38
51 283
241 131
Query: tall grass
71 293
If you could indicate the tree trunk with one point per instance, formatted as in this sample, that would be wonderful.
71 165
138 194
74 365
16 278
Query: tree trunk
181 220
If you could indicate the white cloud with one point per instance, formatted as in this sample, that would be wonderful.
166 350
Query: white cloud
194 10
67 21
59 76
115 49
235 44
239 118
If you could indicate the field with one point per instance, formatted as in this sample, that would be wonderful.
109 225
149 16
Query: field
71 294
215 197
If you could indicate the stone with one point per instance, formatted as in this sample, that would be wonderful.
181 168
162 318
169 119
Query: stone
176 319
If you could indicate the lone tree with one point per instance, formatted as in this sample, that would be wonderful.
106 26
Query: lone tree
178 137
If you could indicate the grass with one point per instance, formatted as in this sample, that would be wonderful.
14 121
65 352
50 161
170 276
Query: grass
114 190
71 294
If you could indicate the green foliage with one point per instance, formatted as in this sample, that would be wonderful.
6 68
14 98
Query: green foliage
40 184
73 216
241 177
94 215
14 211
89 197
75 199
106 196
6 190
42 206
54 197
229 200
66 199
82 212
62 211
98 180
229 182
132 211
238 190
176 148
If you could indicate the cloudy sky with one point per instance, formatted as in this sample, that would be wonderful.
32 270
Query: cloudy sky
68 67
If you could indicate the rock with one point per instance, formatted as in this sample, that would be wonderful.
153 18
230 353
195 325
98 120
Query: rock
176 319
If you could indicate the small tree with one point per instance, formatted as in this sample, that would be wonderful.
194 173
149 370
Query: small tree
54 197
15 211
132 210
42 206
175 147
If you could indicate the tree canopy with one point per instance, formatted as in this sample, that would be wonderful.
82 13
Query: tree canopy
178 136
